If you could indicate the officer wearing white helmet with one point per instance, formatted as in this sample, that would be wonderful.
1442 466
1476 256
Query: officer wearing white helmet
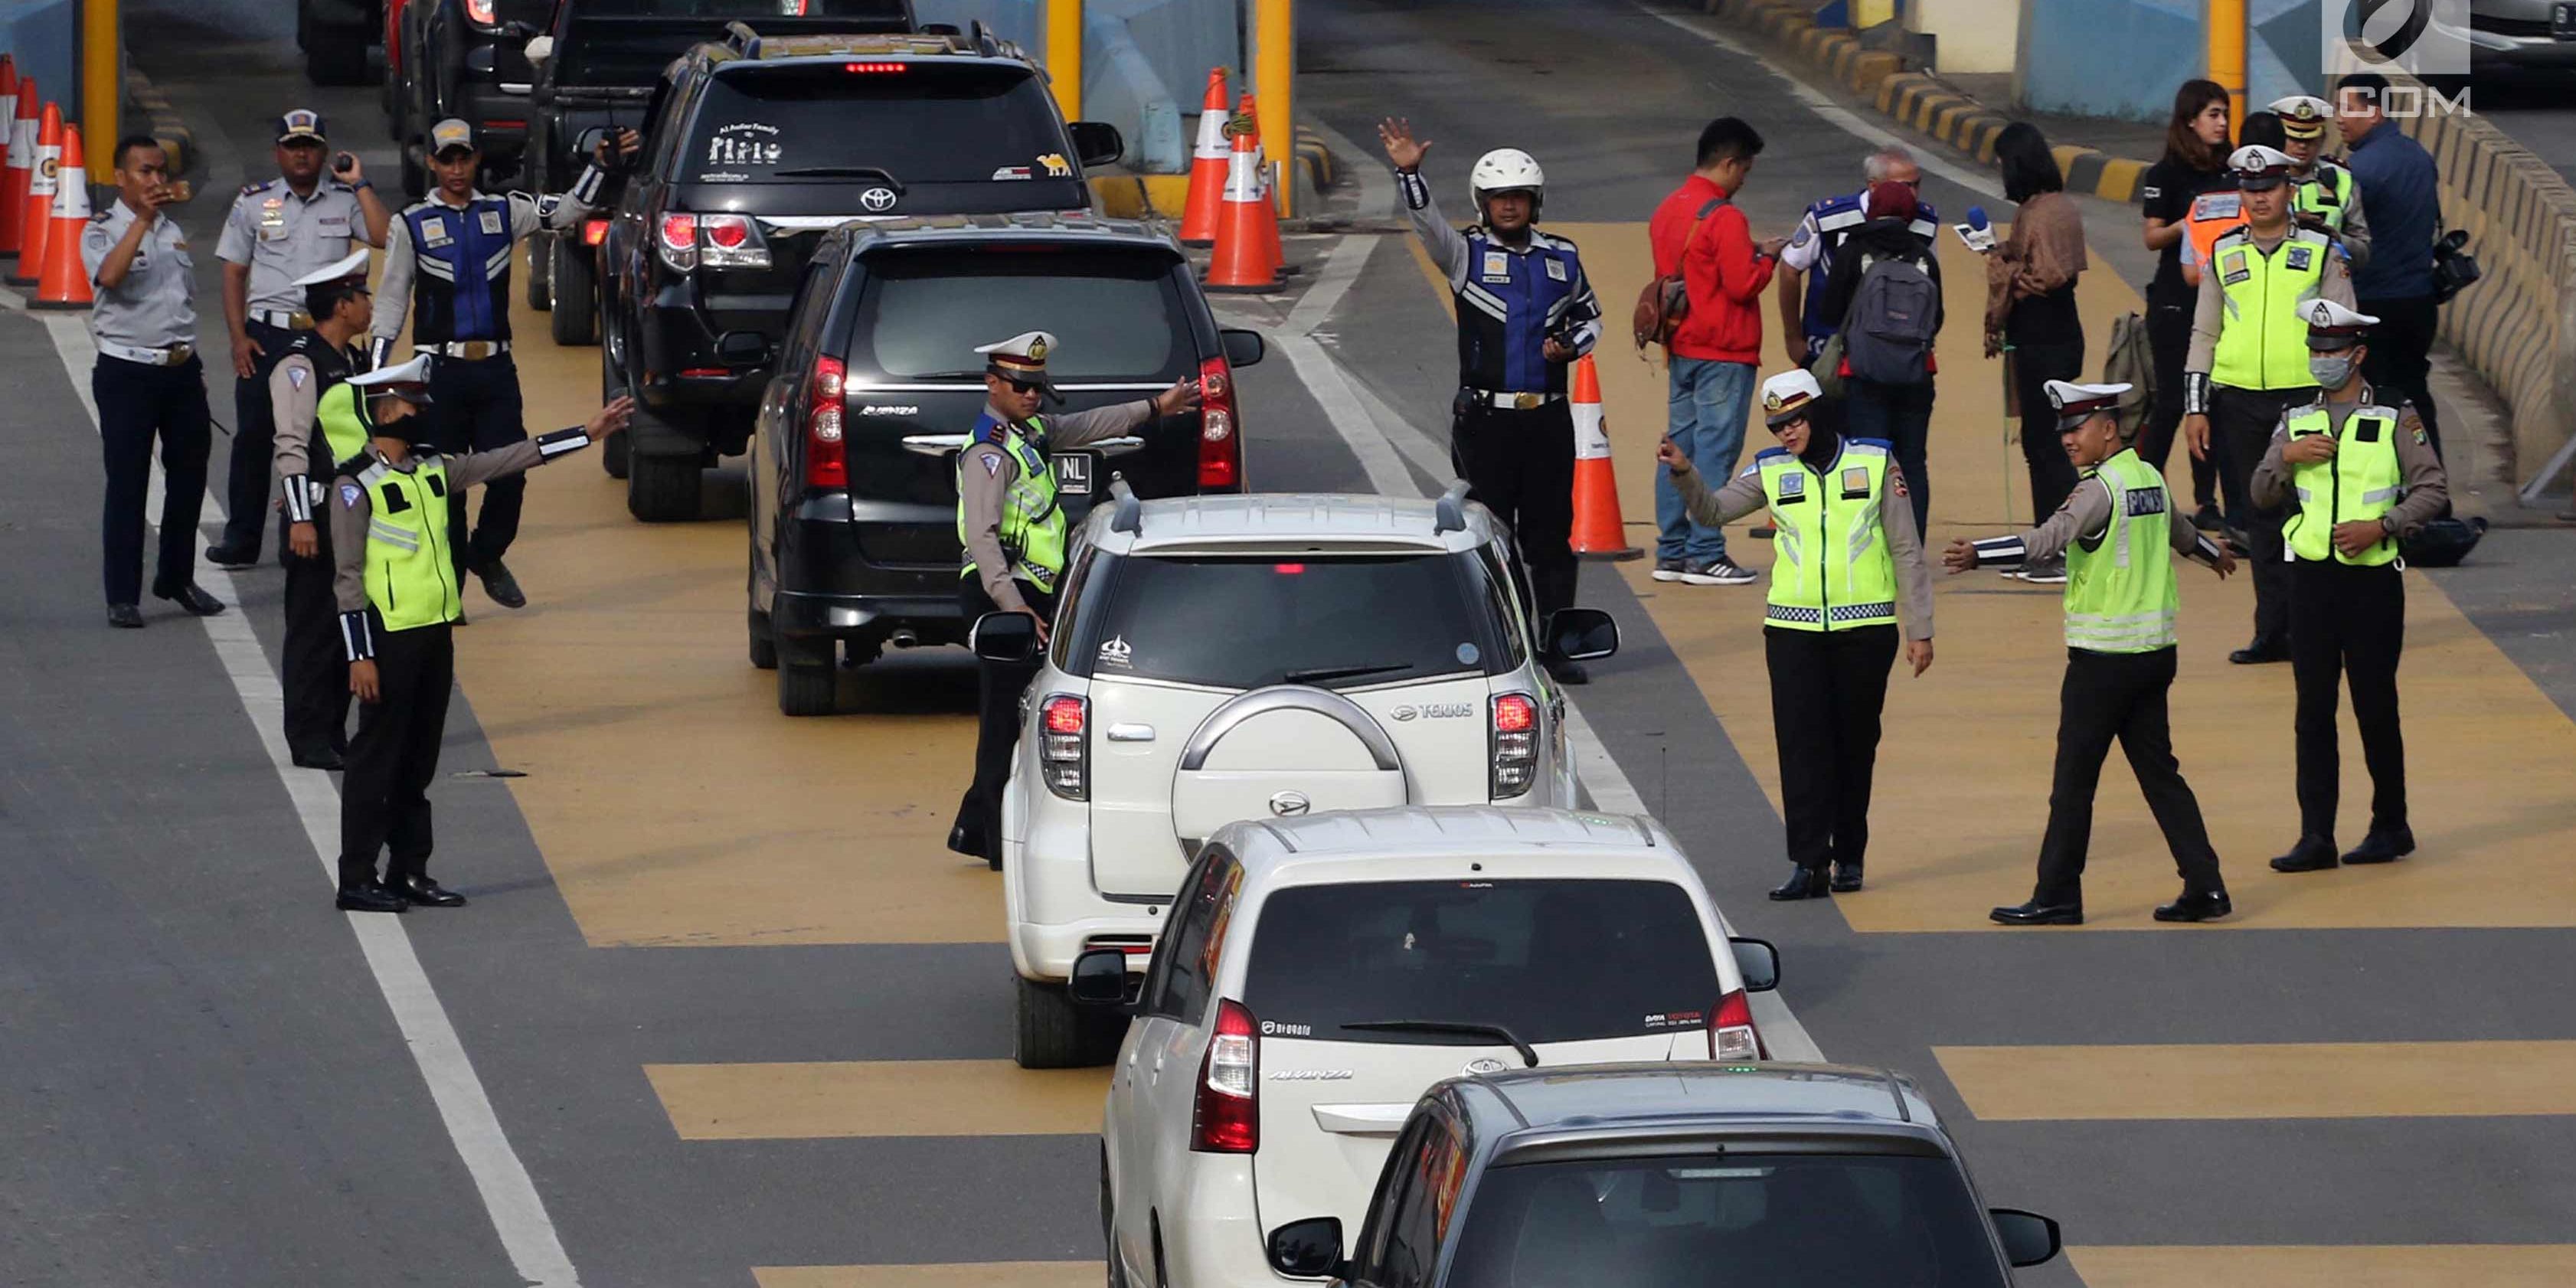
1525 311
1848 559
2325 196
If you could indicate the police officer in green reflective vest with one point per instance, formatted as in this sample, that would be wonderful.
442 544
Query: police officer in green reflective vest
2325 196
398 592
2121 605
2355 474
318 423
1845 559
1014 535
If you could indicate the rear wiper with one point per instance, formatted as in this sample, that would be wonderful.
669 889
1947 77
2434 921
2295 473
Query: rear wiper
1529 1054
843 172
1313 674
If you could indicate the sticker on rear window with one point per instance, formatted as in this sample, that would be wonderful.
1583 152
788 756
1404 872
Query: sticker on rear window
1675 1020
1116 651
1012 172
744 143
1056 166
1467 655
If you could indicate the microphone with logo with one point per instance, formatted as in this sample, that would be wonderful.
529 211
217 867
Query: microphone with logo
1978 233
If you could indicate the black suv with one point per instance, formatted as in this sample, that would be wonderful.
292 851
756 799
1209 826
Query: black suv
466 59
853 468
596 68
759 147
335 36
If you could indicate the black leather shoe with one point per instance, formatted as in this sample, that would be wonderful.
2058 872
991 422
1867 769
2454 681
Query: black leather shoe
2383 846
2264 649
1565 670
2196 907
1846 878
2035 913
2208 519
125 616
1803 883
428 893
966 840
324 760
230 559
501 586
2311 854
193 598
372 898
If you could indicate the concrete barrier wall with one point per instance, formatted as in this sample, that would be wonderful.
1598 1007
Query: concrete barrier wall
1119 86
2119 58
43 36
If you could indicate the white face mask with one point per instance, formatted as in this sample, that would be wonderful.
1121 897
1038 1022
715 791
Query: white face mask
2331 370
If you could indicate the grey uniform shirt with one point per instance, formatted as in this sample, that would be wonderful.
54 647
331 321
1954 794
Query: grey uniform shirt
152 308
985 474
528 213
282 237
1743 495
2085 516
2335 284
2422 497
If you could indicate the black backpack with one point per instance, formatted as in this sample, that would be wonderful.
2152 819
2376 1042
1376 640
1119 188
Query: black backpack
1887 335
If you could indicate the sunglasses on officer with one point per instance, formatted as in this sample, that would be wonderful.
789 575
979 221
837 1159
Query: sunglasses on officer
1019 386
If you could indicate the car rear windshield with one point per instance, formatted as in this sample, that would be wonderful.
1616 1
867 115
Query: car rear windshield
923 312
1778 1220
876 13
924 123
1337 621
1549 960
629 42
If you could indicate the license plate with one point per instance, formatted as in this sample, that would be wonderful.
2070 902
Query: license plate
2562 21
1074 472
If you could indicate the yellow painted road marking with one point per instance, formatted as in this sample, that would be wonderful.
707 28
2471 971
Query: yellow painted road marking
2437 1265
2275 1080
970 1274
877 1098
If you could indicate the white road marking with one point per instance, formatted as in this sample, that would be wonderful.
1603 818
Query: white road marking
518 1214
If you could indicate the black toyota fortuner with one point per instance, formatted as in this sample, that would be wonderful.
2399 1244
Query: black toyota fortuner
760 146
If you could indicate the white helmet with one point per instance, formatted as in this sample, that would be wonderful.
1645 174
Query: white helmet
1506 170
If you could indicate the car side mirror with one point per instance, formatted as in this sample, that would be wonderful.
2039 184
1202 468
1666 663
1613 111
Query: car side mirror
1757 962
742 349
587 143
1097 142
2029 1239
1242 348
1004 637
1581 634
1309 1249
539 50
1099 977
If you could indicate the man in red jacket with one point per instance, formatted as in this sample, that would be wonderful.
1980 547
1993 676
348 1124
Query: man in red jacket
1698 232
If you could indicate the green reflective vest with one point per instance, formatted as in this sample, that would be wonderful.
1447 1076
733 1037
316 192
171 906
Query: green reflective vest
2120 595
2326 191
2262 340
411 577
1032 528
341 416
1831 569
2360 484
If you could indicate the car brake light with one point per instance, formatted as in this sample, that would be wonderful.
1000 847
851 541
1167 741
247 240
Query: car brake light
872 68
480 12
1730 1029
827 461
1227 1117
1515 744
594 231
1064 752
1220 446
730 241
680 241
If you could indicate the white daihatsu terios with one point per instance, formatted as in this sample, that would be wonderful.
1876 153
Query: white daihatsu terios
1263 656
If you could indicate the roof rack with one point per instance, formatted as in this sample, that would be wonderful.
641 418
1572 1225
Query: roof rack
742 39
1129 517
985 42
1450 515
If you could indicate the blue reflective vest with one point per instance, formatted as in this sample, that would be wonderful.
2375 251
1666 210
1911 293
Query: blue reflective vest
1834 218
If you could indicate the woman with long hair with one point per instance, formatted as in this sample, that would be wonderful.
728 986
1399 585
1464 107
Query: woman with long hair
2195 162
2030 309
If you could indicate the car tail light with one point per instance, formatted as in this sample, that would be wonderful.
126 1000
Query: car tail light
827 460
872 69
479 12
1515 744
1064 746
1227 1118
594 231
680 241
1730 1029
730 241
1220 446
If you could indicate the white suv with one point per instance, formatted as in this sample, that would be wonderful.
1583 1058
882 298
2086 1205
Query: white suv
1321 973
1223 658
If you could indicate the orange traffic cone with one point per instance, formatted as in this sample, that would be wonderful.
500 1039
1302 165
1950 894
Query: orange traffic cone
39 207
22 160
1251 117
1208 162
1599 532
65 281
1247 229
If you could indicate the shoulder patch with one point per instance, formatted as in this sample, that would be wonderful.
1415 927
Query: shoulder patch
295 375
1880 444
249 188
1772 454
349 494
992 464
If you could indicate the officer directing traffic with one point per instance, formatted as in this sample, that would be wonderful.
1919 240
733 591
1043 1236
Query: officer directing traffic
2121 609
448 260
2325 196
397 593
1525 311
2355 474
277 233
1013 530
320 422
1846 557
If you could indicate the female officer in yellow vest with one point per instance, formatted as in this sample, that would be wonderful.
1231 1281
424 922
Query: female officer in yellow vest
398 592
1014 534
2120 609
1845 557
2325 196
2355 474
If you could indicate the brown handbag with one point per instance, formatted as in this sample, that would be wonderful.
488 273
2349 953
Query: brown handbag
1664 303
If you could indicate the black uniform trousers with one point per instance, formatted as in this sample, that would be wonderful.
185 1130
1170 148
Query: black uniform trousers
253 467
2347 624
2400 362
997 730
2107 696
1520 465
384 795
2241 422
2052 476
313 665
2169 340
138 402
475 407
1827 691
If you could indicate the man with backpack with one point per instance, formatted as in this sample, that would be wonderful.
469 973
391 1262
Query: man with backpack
1884 289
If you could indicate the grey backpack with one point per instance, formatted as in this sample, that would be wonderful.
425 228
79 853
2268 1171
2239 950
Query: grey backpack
1887 336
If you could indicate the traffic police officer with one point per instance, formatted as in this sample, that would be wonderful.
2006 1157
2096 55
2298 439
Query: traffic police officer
2121 606
448 259
1014 535
320 423
397 593
1524 312
2327 197
148 383
1847 555
2249 363
2356 474
277 232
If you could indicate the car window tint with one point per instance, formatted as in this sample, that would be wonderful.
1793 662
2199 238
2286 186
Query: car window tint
1778 1220
1398 1180
1121 313
928 123
1188 968
1550 960
1244 623
1416 1222
1502 602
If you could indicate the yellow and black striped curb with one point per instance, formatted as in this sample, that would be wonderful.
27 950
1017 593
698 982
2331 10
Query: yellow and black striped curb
161 121
1318 159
